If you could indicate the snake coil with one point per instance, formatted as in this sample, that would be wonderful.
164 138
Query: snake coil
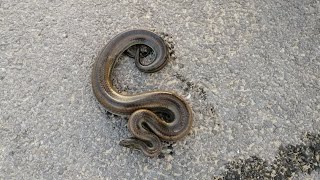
153 116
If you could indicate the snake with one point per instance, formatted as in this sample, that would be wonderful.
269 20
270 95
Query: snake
154 116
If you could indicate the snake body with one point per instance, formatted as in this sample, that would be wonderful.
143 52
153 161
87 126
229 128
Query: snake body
153 116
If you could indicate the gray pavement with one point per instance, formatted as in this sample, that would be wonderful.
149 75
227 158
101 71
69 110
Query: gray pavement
249 69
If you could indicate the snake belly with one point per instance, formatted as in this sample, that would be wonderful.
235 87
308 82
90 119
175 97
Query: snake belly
146 111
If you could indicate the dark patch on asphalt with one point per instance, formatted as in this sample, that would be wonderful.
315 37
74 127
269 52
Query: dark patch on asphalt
290 160
190 86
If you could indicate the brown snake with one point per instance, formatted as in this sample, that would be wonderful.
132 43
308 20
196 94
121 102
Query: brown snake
153 115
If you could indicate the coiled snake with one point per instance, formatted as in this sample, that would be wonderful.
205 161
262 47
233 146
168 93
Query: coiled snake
153 115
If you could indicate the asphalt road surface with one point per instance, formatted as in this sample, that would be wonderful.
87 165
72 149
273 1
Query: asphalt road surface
249 69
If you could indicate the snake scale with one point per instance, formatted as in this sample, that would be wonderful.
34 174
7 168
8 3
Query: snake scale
153 116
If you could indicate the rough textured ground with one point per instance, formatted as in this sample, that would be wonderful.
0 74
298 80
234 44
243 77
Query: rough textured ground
249 69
